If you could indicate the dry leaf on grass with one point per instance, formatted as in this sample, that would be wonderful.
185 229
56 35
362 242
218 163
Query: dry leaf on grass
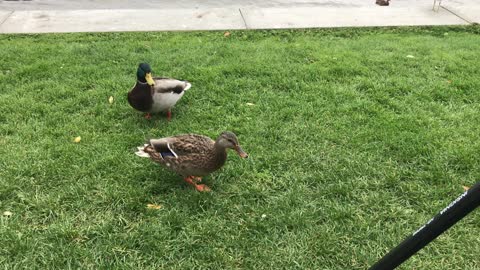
77 139
110 99
250 104
226 34
80 239
465 188
7 214
153 206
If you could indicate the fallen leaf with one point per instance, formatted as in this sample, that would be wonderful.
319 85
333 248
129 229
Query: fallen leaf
77 139
449 81
465 188
153 206
226 34
80 239
250 104
110 99
7 214
410 56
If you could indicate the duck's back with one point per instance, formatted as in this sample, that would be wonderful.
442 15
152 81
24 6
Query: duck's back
192 154
167 92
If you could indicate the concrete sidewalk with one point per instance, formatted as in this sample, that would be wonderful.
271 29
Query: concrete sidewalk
45 16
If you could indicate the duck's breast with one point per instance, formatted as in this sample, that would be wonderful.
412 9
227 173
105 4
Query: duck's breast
140 97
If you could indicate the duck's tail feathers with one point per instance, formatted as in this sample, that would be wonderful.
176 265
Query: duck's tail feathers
188 86
141 151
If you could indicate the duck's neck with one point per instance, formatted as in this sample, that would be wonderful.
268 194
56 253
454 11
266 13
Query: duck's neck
144 86
219 155
141 82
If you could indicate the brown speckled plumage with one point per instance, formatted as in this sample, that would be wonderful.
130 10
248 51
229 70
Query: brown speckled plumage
196 154
191 154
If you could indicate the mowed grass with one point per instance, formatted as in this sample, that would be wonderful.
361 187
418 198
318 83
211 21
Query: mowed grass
353 146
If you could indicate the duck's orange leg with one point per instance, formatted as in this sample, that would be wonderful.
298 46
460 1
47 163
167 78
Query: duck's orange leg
193 181
169 115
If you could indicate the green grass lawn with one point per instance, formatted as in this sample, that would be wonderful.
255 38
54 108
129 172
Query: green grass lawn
353 146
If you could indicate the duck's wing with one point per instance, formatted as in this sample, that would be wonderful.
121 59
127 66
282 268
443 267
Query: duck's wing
182 145
157 149
168 85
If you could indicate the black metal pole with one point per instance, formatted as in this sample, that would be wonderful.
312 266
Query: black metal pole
454 212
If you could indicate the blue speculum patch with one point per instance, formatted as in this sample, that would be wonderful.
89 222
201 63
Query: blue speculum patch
167 154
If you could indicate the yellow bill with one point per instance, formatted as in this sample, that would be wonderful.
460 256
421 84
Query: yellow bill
149 79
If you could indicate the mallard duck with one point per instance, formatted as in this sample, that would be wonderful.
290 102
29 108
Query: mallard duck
382 2
153 95
192 156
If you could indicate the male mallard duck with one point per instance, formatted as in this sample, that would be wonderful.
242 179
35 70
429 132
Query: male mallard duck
192 156
153 95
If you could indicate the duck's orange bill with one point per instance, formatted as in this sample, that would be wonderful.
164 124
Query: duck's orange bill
240 151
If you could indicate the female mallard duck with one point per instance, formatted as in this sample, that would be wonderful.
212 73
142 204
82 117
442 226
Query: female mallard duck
192 156
153 95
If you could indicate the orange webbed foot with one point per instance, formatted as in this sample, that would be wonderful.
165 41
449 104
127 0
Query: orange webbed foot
202 188
192 180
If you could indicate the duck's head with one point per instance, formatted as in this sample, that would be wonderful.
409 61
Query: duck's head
144 74
229 140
